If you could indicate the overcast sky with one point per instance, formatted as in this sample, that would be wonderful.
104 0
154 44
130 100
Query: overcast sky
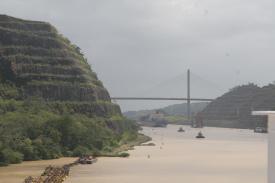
138 46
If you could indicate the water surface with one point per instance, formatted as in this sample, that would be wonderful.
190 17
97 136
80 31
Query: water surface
225 156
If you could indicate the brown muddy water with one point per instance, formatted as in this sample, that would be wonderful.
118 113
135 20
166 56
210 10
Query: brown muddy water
17 173
225 156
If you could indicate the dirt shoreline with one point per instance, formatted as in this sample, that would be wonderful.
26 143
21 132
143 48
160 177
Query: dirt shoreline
225 156
18 172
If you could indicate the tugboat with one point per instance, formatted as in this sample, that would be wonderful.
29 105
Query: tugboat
86 160
200 136
260 130
181 129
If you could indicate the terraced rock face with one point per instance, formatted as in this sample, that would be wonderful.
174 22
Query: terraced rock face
51 102
234 108
36 61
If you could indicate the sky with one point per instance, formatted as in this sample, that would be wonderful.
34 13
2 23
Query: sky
144 47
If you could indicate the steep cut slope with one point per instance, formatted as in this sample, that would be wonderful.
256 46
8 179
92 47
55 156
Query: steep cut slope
42 63
234 108
51 102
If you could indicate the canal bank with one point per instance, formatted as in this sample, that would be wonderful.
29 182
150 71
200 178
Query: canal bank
225 156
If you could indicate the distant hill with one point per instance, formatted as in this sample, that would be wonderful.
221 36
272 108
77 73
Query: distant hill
156 119
181 109
174 113
233 109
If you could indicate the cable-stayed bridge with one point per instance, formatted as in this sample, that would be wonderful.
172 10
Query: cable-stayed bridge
188 98
162 98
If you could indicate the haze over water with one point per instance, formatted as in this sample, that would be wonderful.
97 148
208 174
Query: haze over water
225 156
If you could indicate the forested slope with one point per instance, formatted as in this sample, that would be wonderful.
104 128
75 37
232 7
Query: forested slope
51 102
234 108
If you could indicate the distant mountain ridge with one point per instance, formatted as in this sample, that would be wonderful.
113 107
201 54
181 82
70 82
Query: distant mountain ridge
233 109
181 109
172 110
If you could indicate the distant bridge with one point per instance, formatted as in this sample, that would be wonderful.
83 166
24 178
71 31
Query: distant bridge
188 98
160 98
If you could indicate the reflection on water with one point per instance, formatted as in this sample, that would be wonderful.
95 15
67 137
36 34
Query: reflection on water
225 156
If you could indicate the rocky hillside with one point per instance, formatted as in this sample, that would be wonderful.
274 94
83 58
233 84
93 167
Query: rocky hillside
43 78
234 108
42 63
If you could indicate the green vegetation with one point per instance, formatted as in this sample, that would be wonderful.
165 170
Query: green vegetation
234 108
124 155
51 102
29 130
128 142
175 119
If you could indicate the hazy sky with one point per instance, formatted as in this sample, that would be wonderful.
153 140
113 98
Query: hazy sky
138 46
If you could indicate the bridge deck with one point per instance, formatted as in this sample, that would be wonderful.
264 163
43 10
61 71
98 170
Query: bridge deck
161 98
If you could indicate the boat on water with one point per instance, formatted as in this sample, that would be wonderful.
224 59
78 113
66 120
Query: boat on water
200 136
260 130
181 129
86 160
